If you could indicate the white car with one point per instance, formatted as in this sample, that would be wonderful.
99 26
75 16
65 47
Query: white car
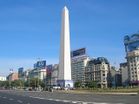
56 87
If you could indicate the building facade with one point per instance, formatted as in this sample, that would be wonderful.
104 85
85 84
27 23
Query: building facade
38 73
2 78
21 73
78 63
113 73
132 55
48 79
12 76
116 77
124 74
54 76
97 70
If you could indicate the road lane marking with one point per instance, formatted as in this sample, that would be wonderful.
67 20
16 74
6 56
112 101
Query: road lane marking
74 102
65 101
19 101
4 97
50 99
37 97
11 99
57 100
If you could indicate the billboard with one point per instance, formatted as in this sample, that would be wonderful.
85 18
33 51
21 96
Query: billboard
40 64
78 52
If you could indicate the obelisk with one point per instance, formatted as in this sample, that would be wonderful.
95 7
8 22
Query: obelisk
64 76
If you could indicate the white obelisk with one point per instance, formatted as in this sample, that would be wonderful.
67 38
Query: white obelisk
64 77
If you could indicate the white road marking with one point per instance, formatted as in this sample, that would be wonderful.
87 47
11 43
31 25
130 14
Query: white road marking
74 102
11 99
50 99
65 101
57 100
19 101
86 103
4 97
37 97
77 102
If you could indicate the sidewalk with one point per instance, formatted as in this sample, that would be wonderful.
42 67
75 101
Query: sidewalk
100 93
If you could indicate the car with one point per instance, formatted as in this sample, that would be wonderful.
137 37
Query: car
56 87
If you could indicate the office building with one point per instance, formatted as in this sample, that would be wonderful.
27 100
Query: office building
21 73
124 74
54 76
132 55
116 78
79 60
48 79
38 73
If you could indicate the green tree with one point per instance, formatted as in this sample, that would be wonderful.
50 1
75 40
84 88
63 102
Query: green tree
78 84
91 84
17 83
4 84
35 82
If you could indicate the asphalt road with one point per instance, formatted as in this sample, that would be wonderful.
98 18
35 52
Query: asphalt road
26 97
7 98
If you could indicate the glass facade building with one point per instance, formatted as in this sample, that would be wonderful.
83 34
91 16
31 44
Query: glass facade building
131 42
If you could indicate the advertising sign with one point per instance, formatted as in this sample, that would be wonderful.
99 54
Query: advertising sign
41 64
78 52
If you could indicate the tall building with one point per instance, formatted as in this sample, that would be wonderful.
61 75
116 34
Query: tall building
49 69
98 70
116 78
21 73
113 74
54 76
79 60
124 73
26 74
132 55
64 77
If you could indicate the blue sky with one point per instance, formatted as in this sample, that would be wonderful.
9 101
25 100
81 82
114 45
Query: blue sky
30 29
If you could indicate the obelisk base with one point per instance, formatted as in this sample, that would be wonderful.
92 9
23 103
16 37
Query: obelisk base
65 84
